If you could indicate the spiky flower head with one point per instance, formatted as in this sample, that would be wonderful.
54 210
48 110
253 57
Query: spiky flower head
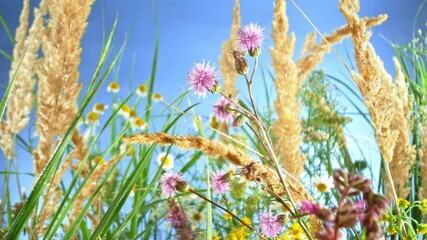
251 38
270 225
219 182
202 78
222 109
169 183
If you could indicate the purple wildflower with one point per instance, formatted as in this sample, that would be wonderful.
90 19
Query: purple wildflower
202 78
270 225
308 207
360 207
251 38
169 182
219 182
178 221
222 109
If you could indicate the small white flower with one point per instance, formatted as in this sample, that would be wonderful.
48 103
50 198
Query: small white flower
195 217
139 124
167 159
113 87
142 90
99 108
323 184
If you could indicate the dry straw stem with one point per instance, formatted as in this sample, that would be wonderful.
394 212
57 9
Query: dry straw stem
252 170
58 75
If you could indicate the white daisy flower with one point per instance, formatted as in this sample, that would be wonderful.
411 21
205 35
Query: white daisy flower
195 217
114 87
167 159
99 108
323 184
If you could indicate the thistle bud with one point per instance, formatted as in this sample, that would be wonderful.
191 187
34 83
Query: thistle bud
239 120
240 63
255 52
216 88
228 108
182 186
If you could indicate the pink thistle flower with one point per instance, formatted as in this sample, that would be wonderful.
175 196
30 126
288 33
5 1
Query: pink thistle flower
219 182
270 225
251 38
170 182
309 207
202 78
222 109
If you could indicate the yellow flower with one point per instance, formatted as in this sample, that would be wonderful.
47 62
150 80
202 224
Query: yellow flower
422 230
142 90
296 231
247 221
114 87
391 230
403 203
423 206
157 97
238 234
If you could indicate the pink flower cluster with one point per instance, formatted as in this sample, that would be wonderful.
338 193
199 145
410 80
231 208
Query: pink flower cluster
270 225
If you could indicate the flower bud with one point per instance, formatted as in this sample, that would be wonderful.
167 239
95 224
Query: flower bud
239 120
228 109
216 88
240 63
182 186
255 52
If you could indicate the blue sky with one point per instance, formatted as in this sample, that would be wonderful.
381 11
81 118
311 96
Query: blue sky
192 30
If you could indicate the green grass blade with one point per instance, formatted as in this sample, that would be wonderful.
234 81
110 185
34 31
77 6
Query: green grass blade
7 30
153 68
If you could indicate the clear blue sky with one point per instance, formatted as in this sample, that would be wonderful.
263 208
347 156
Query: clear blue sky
191 30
